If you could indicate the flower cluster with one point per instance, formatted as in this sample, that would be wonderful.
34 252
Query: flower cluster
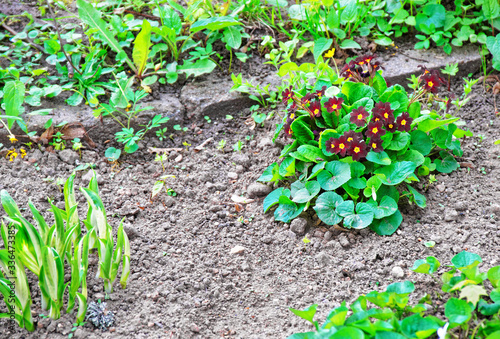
353 144
360 69
350 144
432 80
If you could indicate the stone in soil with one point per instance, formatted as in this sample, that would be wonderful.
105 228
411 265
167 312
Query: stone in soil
298 226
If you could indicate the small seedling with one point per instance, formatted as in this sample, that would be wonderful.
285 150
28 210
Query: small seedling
237 147
207 118
161 133
57 142
161 158
221 145
179 128
112 154
429 244
305 241
77 146
74 328
229 117
451 70
186 144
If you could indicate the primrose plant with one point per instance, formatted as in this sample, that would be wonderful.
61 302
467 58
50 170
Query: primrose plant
358 145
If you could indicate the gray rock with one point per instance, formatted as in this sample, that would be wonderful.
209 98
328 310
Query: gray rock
36 156
131 231
88 176
450 214
79 334
68 156
397 272
258 190
328 236
298 226
265 142
495 208
232 175
241 159
461 206
344 242
441 187
267 239
169 201
213 99
323 259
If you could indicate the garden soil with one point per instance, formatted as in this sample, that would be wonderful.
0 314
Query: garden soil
206 266
187 282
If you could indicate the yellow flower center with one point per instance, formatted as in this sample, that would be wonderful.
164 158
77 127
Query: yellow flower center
341 146
361 63
375 130
430 84
334 106
360 116
349 139
357 150
374 145
292 116
316 111
377 119
386 115
403 122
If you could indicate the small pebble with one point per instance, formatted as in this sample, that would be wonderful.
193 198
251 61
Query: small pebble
237 249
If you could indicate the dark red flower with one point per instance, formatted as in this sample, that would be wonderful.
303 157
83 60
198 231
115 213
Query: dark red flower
364 60
340 146
306 99
317 134
352 136
404 122
358 116
333 104
431 82
288 127
377 118
376 145
358 150
287 95
321 93
383 110
375 130
315 109
330 145
348 69
391 126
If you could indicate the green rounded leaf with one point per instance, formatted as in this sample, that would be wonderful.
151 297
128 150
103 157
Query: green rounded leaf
380 158
305 194
361 219
387 225
385 208
399 141
428 265
274 197
416 326
465 259
405 287
286 210
326 135
448 163
396 172
494 276
348 333
421 142
336 174
326 206
457 311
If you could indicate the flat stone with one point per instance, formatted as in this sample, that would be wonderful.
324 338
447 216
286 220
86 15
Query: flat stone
68 156
212 98
344 242
237 249
399 67
323 258
450 215
397 272
298 226
258 190
232 175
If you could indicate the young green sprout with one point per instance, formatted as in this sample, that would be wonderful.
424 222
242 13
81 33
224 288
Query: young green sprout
237 147
221 145
161 158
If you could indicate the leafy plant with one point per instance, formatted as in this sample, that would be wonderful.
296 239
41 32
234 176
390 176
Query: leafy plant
354 141
468 309
45 250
